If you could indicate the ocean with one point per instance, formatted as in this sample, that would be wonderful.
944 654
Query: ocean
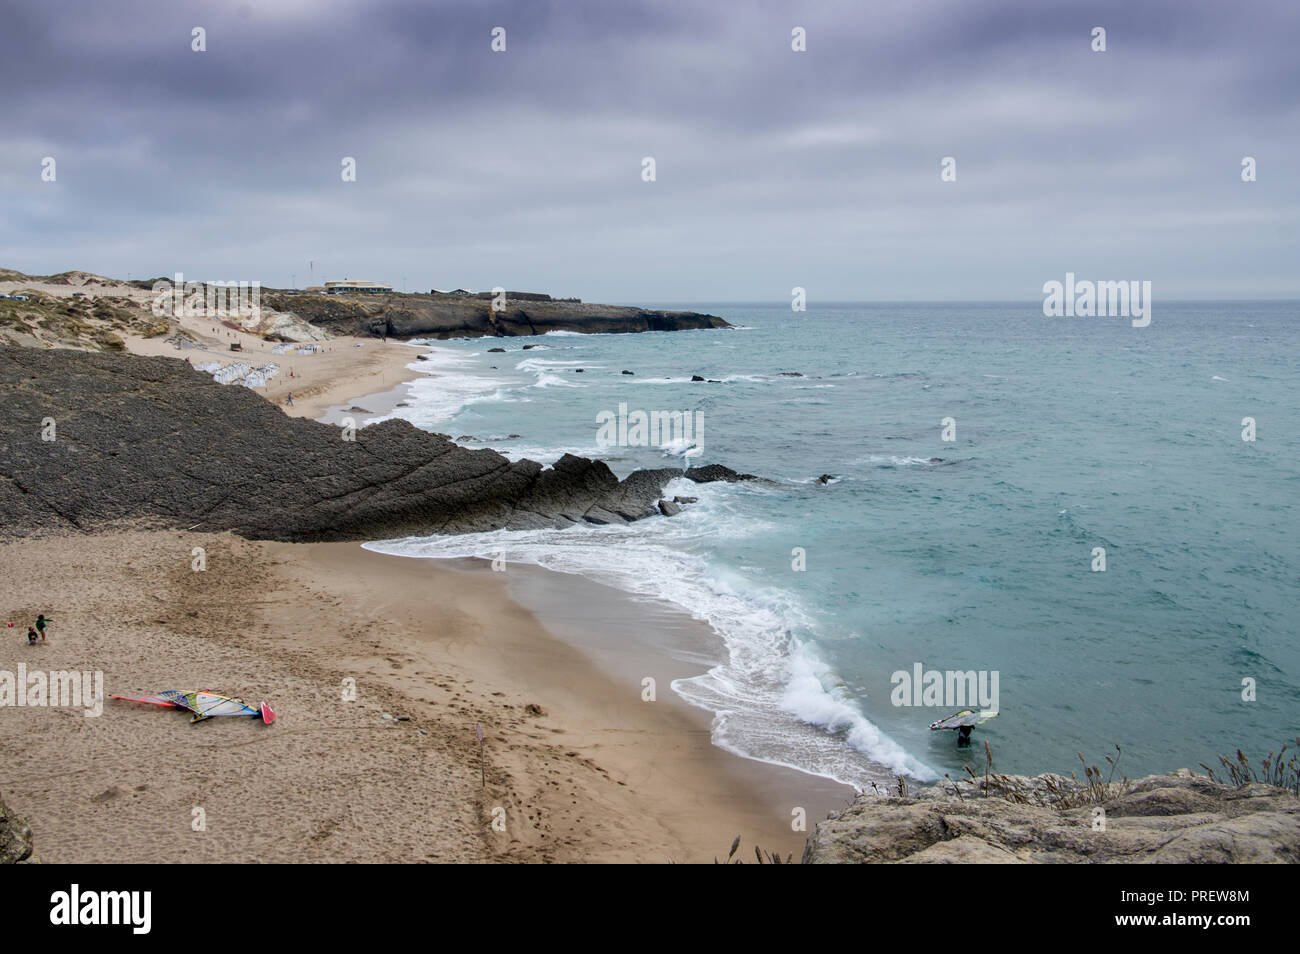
980 553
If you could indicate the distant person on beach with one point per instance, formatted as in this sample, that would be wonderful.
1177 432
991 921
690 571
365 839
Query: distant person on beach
290 398
41 620
31 636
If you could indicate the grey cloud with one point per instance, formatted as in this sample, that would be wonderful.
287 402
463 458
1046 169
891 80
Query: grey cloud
774 168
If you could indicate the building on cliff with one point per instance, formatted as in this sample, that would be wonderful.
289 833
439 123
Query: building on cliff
347 286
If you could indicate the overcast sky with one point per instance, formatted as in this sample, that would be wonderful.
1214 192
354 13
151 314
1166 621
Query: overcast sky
774 168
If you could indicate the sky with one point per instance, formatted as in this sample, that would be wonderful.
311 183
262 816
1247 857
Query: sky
774 168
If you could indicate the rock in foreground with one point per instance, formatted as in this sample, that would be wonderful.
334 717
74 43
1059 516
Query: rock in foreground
1176 819
15 837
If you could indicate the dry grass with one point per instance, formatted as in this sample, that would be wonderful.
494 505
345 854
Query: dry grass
763 857
91 323
1051 793
1272 771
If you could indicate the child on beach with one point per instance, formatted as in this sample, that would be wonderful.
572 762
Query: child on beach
41 620
31 636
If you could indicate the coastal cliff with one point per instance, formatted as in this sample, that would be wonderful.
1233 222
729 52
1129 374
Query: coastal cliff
83 310
1178 818
451 316
92 439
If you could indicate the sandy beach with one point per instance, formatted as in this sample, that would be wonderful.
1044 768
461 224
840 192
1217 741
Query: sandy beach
347 370
578 765
582 768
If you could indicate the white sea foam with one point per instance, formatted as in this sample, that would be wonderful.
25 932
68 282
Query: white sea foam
543 455
681 447
448 385
773 699
547 372
537 365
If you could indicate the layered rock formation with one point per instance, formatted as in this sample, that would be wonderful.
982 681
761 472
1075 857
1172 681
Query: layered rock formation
15 837
153 440
451 316
1179 818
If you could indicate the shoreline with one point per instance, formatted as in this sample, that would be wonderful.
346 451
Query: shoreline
347 370
575 610
591 773
381 404
631 639
661 750
677 796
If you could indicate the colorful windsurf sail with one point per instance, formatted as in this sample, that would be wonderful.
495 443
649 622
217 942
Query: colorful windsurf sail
205 704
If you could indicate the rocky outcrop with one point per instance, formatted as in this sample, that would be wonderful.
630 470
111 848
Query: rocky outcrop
15 837
152 440
1178 818
713 472
452 316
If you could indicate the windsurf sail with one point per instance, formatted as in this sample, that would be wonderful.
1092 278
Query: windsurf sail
964 718
205 704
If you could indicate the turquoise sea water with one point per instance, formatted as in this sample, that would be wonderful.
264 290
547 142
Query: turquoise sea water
1071 434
